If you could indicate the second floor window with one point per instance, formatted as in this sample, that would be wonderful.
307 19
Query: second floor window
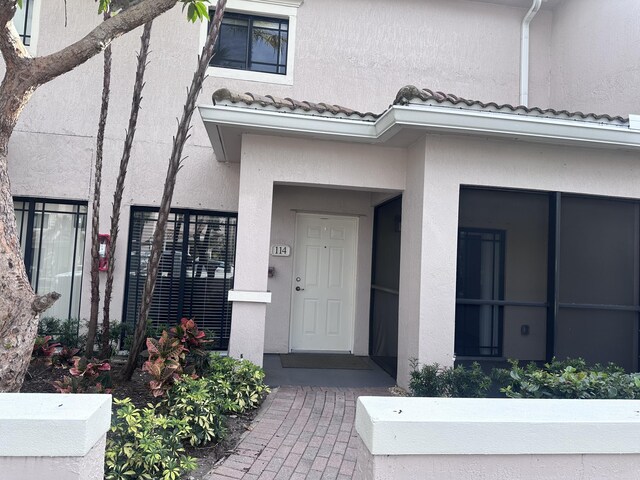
23 21
248 42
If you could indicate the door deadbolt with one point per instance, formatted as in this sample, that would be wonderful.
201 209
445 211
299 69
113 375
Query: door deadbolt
299 289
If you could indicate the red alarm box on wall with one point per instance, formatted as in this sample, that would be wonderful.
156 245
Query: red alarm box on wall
104 246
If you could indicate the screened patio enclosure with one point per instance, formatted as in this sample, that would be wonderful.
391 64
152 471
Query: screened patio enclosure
544 274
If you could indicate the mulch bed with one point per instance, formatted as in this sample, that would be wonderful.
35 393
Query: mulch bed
40 380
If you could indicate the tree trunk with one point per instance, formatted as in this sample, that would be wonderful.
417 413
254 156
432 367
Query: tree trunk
165 204
95 218
119 191
19 305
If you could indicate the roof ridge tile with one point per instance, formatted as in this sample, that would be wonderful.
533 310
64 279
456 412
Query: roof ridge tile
405 96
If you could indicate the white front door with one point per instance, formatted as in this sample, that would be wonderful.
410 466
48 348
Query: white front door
323 296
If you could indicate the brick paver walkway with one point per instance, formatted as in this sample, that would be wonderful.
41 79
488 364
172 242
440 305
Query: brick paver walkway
300 433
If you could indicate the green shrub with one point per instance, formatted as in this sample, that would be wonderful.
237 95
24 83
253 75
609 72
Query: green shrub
63 331
145 444
571 379
195 401
239 383
426 381
469 382
459 382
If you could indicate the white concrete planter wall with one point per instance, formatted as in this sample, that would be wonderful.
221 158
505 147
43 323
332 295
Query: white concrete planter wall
455 439
53 436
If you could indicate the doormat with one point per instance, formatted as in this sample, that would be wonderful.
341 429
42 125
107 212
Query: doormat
325 360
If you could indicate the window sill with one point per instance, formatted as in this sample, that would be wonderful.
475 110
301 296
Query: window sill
250 76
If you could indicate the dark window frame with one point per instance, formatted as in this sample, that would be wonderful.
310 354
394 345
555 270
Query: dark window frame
30 211
496 304
282 63
187 214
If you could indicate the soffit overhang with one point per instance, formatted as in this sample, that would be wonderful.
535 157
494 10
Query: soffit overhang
403 125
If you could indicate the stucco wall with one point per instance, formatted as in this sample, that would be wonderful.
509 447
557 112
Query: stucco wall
595 57
286 201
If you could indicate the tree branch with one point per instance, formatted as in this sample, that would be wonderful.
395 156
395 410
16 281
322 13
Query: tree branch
51 66
11 46
43 302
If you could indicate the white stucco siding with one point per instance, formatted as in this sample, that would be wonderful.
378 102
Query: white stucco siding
362 52
595 59
51 166
287 200
317 162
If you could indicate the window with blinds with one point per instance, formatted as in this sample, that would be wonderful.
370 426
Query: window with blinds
196 270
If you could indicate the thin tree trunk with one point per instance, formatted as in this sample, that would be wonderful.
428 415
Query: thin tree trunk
95 218
119 191
165 204
19 305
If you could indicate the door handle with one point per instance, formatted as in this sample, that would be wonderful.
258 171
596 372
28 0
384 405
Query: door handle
298 289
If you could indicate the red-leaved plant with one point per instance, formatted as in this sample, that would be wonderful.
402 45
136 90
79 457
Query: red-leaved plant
178 351
65 357
87 376
43 349
193 340
189 334
166 357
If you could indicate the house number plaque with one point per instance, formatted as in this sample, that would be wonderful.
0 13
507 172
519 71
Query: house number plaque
280 250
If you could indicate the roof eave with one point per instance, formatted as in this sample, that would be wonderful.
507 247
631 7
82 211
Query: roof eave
222 119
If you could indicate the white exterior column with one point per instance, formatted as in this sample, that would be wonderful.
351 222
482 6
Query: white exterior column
426 315
439 263
249 294
409 305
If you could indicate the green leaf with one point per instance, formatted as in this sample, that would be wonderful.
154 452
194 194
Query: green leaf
203 11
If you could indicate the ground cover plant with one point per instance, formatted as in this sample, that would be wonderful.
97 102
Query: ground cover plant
146 444
438 381
569 379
